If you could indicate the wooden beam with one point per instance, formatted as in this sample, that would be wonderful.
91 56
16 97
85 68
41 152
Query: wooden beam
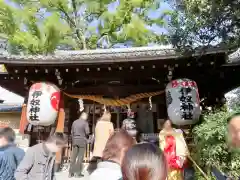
15 88
114 91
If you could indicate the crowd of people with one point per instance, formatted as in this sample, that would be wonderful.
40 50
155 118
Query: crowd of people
37 163
117 154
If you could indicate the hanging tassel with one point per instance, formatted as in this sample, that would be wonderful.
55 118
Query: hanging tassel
104 108
61 118
81 105
23 120
129 111
150 103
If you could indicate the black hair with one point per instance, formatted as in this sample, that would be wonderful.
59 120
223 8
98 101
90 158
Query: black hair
232 116
8 133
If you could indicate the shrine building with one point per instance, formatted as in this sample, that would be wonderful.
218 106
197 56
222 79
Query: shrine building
118 77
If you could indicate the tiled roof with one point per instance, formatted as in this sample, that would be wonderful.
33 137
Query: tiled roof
10 108
107 55
234 57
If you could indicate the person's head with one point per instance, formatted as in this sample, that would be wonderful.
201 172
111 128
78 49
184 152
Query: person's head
56 142
167 124
130 114
84 116
144 162
129 125
117 145
7 135
234 129
106 116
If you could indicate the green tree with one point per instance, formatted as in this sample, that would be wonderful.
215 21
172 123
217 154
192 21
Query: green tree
212 149
25 32
39 27
205 22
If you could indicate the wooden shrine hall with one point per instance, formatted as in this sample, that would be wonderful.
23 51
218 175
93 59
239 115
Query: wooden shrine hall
109 76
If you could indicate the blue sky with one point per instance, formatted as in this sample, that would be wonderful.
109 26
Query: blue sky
155 14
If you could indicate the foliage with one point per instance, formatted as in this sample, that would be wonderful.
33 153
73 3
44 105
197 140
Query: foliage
39 27
205 22
211 147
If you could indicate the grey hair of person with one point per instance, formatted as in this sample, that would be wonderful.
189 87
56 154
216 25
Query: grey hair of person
144 161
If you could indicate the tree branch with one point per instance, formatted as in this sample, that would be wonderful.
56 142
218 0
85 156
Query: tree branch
79 36
74 26
69 19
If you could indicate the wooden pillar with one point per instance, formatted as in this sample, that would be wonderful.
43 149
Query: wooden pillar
94 118
60 129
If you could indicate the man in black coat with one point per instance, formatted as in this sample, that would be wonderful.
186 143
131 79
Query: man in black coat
80 133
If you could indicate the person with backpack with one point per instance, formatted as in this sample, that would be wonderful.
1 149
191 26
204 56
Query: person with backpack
10 154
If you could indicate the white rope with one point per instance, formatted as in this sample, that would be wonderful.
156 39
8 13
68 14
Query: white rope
81 105
104 108
129 107
150 103
129 110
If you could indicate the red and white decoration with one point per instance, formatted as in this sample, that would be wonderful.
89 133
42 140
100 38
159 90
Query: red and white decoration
183 103
43 104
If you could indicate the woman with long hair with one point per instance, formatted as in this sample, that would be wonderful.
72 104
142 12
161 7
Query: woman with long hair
144 161
110 167
175 150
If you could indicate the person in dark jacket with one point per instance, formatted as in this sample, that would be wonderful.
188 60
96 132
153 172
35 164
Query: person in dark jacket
80 132
10 155
38 163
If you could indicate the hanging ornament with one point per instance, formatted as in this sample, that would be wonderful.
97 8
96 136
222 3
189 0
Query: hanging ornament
150 103
104 108
183 104
43 104
81 105
128 110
